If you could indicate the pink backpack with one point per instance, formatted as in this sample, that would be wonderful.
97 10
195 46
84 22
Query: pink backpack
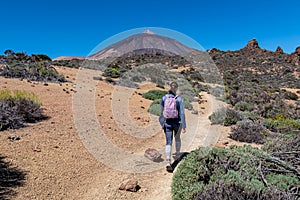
170 108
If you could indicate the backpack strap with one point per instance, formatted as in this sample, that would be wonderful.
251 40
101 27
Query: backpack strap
168 95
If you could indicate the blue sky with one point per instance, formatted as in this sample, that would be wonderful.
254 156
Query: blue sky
75 28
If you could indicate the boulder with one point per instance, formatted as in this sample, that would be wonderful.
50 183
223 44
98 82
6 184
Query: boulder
14 137
129 185
153 155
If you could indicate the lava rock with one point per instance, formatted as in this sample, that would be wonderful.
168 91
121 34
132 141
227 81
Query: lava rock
129 185
153 155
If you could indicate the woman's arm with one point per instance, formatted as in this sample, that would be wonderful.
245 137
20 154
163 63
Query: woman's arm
181 113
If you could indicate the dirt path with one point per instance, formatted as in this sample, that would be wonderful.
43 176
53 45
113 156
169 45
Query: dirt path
155 182
66 165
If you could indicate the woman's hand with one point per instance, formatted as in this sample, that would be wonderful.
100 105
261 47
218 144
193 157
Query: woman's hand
183 130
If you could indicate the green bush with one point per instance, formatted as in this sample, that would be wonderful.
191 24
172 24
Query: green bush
225 116
154 94
246 115
243 106
248 131
155 108
187 101
112 72
18 108
284 146
138 79
236 173
40 57
218 91
282 124
204 88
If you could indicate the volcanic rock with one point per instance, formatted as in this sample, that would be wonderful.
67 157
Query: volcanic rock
279 50
294 58
253 44
129 185
147 42
153 154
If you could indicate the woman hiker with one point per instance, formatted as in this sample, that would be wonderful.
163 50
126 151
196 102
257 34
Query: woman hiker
172 120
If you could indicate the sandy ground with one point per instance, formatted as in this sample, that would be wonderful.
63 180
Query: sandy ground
57 162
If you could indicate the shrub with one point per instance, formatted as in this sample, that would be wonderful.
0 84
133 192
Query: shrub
204 88
154 94
236 173
40 57
155 107
225 116
229 191
34 71
112 73
249 116
160 85
138 79
290 95
284 146
243 106
218 91
248 131
18 108
282 124
187 102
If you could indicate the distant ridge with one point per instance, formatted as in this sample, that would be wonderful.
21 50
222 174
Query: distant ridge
69 58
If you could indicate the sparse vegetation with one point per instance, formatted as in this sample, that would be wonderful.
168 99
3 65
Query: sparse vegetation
253 83
282 124
261 111
236 173
249 131
33 68
225 116
18 108
286 147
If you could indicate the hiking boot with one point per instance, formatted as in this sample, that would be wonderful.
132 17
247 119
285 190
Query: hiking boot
168 166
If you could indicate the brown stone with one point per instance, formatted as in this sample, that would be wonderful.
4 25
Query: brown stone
14 137
129 185
153 154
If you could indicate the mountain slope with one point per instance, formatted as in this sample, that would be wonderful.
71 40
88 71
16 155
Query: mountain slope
143 42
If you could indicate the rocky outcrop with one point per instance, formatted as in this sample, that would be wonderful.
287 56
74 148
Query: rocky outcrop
214 50
252 48
279 50
252 44
294 58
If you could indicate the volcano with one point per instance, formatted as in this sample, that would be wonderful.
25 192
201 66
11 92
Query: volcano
143 43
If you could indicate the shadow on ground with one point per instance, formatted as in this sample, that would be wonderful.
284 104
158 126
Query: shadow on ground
177 161
10 178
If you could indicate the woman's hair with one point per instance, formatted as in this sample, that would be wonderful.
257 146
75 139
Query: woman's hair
173 87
